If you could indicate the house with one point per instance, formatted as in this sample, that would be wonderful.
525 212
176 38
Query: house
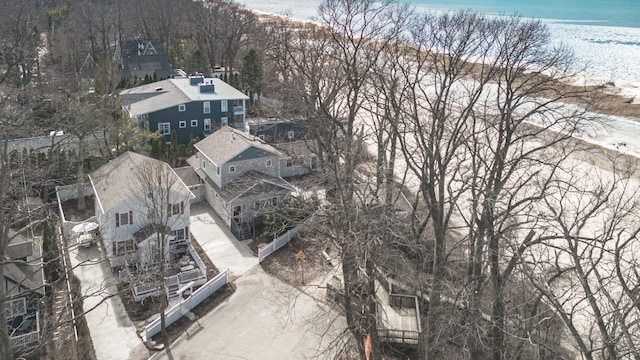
299 158
193 107
123 208
242 179
276 131
139 58
23 282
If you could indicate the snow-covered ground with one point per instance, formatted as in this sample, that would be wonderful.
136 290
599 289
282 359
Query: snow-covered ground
585 179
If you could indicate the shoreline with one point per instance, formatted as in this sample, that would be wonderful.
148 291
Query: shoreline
615 98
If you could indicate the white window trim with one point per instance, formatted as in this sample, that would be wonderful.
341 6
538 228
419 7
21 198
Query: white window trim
224 120
269 163
9 307
206 107
162 128
194 123
224 107
182 124
207 124
232 168
182 107
291 134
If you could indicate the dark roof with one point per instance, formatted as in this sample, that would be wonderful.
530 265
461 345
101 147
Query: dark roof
252 183
139 47
154 63
296 148
27 273
188 175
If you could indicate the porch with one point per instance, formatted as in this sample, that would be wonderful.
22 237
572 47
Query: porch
24 330
188 269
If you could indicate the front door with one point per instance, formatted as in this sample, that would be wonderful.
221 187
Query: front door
237 214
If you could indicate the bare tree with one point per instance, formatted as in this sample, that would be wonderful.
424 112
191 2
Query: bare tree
163 198
484 102
585 273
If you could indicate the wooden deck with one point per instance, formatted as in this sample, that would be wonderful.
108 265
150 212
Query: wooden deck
398 317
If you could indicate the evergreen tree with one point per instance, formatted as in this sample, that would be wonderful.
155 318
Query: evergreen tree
251 73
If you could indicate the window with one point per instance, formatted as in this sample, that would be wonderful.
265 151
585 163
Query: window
218 171
124 219
261 137
269 163
224 121
291 134
204 164
182 107
206 107
232 168
223 106
183 124
207 124
194 123
165 128
289 162
123 247
181 234
175 209
314 163
15 307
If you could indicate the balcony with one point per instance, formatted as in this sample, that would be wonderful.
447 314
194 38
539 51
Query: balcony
238 110
25 330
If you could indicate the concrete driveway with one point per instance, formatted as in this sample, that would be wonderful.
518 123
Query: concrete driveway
217 241
113 333
264 319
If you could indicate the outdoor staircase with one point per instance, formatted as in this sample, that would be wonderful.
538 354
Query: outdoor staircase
172 287
245 231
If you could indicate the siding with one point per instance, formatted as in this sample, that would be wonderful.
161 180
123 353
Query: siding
194 110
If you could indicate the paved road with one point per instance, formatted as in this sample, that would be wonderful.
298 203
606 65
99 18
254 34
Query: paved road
215 239
264 319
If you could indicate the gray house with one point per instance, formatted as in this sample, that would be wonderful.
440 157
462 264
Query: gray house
23 283
242 178
193 107
139 58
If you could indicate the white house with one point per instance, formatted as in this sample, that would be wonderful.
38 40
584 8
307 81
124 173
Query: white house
124 207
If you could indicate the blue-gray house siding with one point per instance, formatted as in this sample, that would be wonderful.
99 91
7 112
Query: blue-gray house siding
192 107
190 123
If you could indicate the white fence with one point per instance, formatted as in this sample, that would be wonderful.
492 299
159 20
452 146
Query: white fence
284 239
172 315
25 339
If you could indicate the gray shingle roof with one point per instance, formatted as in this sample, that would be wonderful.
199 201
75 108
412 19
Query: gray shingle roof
226 143
188 175
252 183
173 92
116 182
27 273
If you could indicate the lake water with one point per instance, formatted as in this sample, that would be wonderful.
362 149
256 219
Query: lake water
604 34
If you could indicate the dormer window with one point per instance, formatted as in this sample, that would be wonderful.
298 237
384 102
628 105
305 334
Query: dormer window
182 107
